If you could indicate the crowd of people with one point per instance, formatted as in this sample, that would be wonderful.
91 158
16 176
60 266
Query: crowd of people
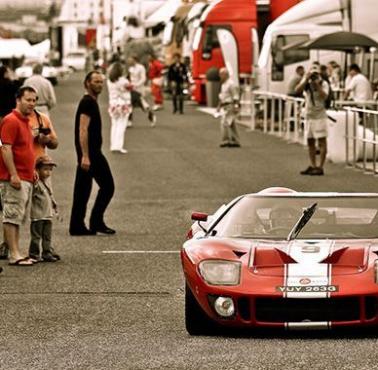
355 87
131 85
319 86
26 131
26 168
24 174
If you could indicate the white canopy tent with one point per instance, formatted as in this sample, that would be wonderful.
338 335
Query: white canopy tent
14 48
40 51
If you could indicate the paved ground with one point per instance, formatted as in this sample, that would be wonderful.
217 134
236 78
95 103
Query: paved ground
96 310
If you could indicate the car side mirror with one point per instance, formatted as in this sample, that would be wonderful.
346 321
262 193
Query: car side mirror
199 216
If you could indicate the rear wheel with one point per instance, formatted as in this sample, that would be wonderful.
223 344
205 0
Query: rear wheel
196 320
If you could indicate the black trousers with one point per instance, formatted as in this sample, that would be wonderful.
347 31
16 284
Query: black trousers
178 98
100 172
138 101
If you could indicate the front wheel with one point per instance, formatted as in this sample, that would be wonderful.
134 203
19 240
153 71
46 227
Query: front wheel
196 320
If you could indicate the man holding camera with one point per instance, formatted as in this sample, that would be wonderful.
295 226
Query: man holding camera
316 91
44 136
17 171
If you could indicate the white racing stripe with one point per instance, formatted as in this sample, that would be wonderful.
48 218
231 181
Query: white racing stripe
308 255
140 252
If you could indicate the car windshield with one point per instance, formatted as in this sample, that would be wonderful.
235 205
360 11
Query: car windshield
335 217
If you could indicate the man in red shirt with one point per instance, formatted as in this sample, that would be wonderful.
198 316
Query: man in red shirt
17 171
155 76
44 137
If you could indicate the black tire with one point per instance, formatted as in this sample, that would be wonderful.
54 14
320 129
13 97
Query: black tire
196 320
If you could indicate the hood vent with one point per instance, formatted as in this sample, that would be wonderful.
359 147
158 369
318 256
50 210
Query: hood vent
335 256
239 254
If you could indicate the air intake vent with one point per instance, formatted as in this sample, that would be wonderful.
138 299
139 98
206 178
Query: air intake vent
239 254
297 310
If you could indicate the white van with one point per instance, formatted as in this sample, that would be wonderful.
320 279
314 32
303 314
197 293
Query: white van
309 20
75 60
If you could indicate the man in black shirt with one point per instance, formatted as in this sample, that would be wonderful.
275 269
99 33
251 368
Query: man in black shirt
91 163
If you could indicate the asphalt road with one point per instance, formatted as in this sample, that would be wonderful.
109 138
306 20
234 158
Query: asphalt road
96 310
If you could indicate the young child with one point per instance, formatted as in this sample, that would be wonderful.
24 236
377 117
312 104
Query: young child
42 211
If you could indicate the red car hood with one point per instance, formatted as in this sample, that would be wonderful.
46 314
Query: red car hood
273 258
302 256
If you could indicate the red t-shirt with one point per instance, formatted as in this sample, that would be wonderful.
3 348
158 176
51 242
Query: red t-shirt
155 69
15 131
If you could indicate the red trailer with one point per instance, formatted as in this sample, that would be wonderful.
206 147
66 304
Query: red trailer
237 16
240 17
278 7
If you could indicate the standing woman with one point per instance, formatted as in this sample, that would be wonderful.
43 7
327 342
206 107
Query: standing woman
119 106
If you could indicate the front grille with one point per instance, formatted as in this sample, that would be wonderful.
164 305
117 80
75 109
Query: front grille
371 307
298 310
244 308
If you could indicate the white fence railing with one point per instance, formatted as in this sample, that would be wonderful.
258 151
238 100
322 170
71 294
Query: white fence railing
273 113
361 139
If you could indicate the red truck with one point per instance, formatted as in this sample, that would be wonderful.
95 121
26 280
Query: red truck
240 17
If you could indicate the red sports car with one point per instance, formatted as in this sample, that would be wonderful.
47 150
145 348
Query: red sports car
283 259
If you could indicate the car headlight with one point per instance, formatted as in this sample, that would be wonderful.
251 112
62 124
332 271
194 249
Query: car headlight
224 306
219 272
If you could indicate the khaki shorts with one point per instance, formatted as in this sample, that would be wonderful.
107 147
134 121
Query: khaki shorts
16 203
316 128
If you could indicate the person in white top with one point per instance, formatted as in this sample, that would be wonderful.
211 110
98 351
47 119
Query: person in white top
45 89
138 78
119 106
228 107
359 85
316 91
334 75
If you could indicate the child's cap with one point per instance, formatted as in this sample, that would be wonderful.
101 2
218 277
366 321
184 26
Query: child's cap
44 160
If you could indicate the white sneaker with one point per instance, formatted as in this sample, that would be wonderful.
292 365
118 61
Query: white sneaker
153 121
157 107
123 151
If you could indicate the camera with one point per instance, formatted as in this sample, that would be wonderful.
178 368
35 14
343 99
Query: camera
314 76
44 130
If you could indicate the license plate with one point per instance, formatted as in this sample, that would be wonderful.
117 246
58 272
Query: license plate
308 289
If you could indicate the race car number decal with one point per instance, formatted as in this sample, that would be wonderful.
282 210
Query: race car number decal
308 289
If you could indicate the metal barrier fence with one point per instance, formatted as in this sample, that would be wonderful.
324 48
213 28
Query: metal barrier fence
273 113
361 139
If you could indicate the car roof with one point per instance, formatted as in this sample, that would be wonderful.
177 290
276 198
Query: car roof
313 195
286 192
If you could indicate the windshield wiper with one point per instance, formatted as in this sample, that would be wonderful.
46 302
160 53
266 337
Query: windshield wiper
301 223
